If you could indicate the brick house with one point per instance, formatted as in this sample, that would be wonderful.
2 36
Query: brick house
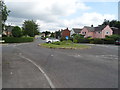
65 32
97 32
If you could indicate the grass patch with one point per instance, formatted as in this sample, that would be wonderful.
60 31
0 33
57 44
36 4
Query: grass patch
64 45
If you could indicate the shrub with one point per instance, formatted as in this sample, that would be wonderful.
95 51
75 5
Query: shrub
56 43
97 41
115 37
17 32
84 40
74 40
109 41
3 35
62 39
17 40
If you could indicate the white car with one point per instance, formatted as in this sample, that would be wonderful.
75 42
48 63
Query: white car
48 40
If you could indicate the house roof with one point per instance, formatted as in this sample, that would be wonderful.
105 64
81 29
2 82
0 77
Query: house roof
9 28
77 30
65 30
98 28
114 28
90 28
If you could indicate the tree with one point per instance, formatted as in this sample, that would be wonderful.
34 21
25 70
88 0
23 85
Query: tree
58 34
52 35
30 28
17 32
46 33
113 23
4 12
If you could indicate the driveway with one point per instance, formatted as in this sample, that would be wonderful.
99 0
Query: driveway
96 67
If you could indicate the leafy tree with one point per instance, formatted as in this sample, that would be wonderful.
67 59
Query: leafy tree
30 28
52 35
113 23
58 34
17 32
46 33
4 12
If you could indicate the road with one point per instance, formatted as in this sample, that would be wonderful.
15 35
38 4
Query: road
29 65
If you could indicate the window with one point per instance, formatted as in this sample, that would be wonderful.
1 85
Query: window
82 32
99 32
107 32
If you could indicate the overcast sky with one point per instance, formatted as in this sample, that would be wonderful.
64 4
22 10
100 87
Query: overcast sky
53 15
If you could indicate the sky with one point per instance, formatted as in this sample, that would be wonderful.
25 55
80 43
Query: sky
52 15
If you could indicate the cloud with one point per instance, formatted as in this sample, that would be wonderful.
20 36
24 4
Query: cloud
48 13
46 10
88 19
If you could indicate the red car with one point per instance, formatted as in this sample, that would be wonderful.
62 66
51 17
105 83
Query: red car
117 42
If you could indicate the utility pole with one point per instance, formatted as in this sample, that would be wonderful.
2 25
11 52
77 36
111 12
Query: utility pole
119 11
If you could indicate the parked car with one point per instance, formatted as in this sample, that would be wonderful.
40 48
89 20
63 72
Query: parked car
48 40
117 42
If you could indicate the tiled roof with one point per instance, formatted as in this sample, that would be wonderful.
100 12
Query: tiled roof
9 28
77 30
90 28
98 28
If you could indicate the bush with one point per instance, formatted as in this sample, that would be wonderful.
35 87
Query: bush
109 41
17 40
66 42
17 32
56 43
74 40
3 35
62 39
84 40
97 41
115 37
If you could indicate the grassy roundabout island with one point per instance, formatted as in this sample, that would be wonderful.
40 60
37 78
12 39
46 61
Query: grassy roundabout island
64 45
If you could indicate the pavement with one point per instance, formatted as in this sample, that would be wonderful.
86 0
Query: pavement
28 65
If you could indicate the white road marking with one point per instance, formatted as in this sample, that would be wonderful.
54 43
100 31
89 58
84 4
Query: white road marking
11 73
46 76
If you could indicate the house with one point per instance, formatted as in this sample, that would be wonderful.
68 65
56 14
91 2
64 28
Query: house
115 30
97 32
75 31
8 30
65 32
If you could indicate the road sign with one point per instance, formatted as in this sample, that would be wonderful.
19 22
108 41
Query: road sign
67 37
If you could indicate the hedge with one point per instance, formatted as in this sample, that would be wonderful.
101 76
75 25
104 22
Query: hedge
97 41
18 40
109 41
83 40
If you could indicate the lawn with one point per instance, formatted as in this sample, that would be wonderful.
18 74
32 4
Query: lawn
64 45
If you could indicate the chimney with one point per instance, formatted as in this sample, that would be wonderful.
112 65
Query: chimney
91 25
67 28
